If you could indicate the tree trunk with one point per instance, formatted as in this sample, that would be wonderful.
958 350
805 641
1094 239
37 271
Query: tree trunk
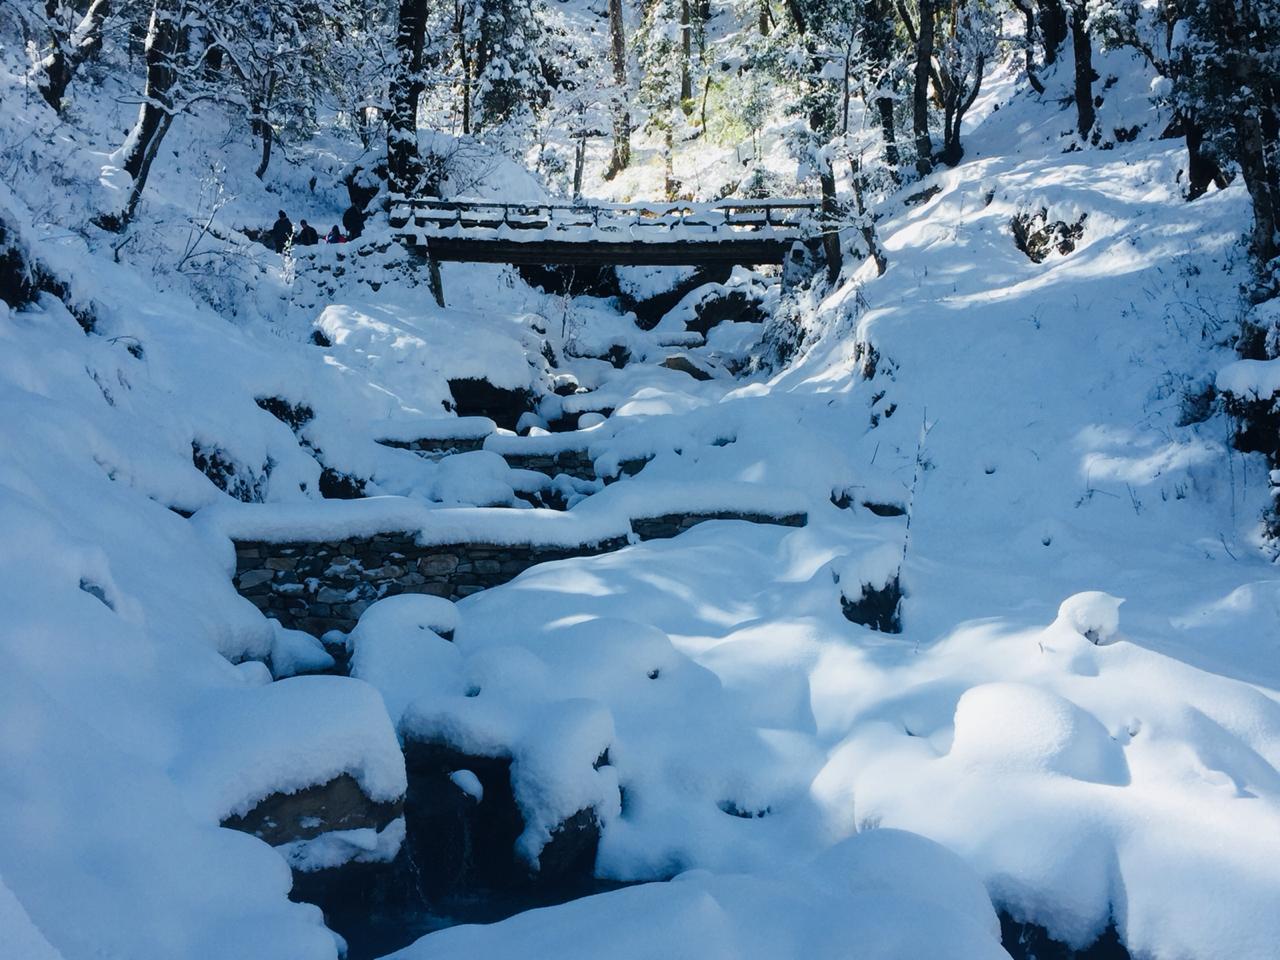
668 162
1251 155
884 107
72 49
1082 48
830 221
404 166
764 18
1053 28
1029 51
920 95
621 116
868 224
879 44
686 53
267 135
957 102
144 171
1202 169
156 113
579 161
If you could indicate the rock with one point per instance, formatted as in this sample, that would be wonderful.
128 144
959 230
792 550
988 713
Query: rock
339 804
1035 236
879 608
253 578
684 364
923 196
735 305
474 397
571 851
649 310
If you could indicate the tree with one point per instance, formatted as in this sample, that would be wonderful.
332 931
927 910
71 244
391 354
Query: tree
969 32
579 73
1228 80
510 85
816 62
660 80
921 34
621 115
881 72
273 52
168 57
74 37
405 172
1082 53
1151 31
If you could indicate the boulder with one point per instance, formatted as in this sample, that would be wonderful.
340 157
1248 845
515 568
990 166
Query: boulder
474 397
685 364
736 305
339 804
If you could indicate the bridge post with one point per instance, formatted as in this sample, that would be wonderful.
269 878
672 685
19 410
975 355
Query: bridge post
433 277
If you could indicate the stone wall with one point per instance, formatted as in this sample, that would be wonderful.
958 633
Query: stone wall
576 463
326 586
437 448
674 524
322 586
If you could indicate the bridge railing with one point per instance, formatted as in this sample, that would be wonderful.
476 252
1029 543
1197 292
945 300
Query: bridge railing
779 219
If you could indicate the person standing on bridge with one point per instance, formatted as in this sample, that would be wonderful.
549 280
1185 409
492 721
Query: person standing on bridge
281 232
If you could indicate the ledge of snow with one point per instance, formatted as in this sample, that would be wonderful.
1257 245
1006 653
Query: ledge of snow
245 745
1255 379
332 520
438 428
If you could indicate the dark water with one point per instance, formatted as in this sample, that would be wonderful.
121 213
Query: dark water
1029 941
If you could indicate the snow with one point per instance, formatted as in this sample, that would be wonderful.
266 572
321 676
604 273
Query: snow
432 526
1092 614
1252 379
243 746
896 896
294 652
468 783
438 428
339 847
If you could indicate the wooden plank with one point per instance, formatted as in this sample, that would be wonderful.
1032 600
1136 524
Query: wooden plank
747 252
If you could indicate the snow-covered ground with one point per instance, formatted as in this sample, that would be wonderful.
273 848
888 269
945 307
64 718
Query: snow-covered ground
1026 740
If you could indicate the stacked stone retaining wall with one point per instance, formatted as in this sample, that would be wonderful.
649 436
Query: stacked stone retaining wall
322 586
326 586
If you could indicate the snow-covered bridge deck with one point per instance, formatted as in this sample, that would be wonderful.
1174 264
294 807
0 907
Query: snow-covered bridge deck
744 232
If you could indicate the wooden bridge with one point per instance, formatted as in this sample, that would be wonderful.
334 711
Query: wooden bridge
747 232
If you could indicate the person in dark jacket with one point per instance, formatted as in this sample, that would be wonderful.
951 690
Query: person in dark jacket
307 236
281 232
335 235
353 222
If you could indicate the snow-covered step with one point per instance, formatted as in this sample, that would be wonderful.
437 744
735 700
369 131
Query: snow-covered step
435 437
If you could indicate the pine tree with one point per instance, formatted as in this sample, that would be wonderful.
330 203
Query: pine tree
660 44
1229 81
510 86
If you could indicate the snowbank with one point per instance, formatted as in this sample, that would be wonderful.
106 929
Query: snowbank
897 897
